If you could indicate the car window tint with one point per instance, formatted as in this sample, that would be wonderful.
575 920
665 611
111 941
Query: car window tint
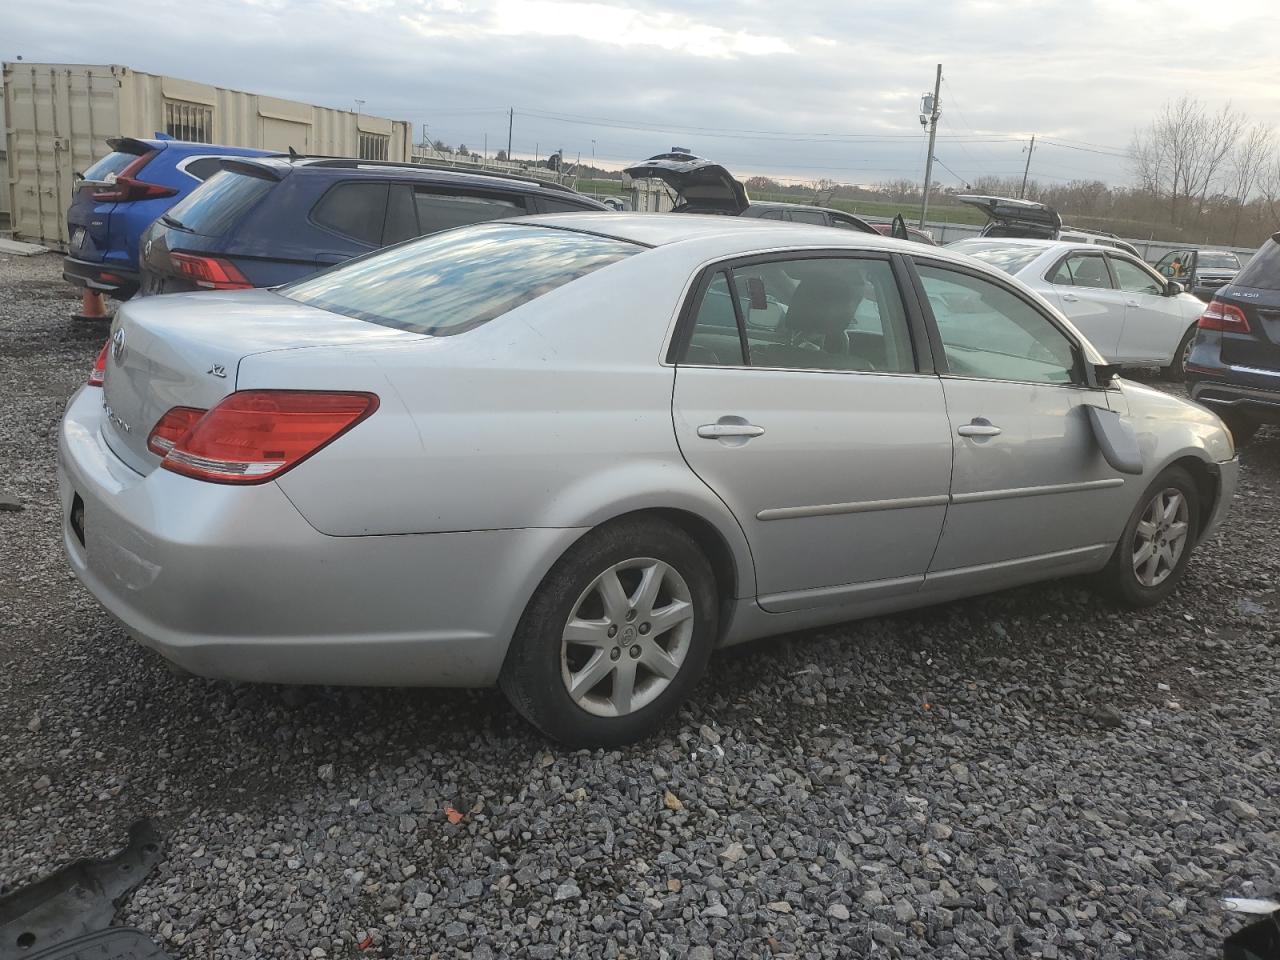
809 216
451 282
771 215
443 211
402 216
1131 278
714 340
831 313
202 168
219 202
1082 270
1263 269
355 210
557 205
988 332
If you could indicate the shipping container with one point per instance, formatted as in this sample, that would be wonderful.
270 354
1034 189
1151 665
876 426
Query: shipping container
58 117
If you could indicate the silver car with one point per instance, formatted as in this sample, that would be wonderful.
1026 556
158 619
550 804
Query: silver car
573 454
1131 314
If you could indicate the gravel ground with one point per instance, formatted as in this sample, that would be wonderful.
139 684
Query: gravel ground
1030 774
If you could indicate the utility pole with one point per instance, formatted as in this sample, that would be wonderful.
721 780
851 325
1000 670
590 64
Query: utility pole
929 113
1027 169
511 119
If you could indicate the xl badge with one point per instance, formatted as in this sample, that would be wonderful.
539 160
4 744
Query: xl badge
218 370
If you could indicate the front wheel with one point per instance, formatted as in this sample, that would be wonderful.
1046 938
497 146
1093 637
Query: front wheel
615 637
1152 555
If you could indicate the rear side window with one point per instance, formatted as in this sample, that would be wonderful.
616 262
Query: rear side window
202 168
355 210
112 163
1082 270
1263 271
809 216
442 211
556 205
223 199
451 282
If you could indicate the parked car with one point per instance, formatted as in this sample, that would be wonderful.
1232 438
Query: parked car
264 222
532 453
913 234
1234 365
1202 272
704 186
117 198
1007 217
1132 315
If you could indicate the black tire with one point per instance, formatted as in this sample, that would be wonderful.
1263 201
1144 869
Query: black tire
1176 371
1119 579
1242 426
532 676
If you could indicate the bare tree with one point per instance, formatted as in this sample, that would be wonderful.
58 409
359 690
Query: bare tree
1252 153
1180 155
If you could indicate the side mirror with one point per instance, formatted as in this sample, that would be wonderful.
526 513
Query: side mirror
899 230
1103 373
1173 288
756 296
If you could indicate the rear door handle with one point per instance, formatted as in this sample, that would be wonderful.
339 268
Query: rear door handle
979 427
1070 297
723 430
1132 303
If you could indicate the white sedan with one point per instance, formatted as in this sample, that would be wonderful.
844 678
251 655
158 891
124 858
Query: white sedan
1129 312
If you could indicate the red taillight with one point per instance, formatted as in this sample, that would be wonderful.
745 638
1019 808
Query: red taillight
256 435
1223 316
127 186
211 273
173 426
99 371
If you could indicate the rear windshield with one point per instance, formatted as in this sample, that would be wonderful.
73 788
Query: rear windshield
110 166
1225 261
1263 270
450 282
210 209
1008 257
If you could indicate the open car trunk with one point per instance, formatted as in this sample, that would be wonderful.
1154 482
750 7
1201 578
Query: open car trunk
1007 217
701 186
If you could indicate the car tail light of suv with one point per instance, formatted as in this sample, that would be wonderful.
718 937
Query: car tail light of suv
255 435
127 186
1223 316
210 273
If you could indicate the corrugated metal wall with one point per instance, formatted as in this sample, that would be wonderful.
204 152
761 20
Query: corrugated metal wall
58 117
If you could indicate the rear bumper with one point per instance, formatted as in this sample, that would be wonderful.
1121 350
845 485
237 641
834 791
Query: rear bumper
1255 398
108 278
232 582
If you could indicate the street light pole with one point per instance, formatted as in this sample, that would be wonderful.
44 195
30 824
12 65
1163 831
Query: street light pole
929 113
1027 169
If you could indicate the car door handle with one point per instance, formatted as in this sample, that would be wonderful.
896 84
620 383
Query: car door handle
979 427
1132 303
1070 297
722 430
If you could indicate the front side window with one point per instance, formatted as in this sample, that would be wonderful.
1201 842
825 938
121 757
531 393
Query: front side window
1082 270
442 210
355 210
452 282
829 313
1131 278
989 333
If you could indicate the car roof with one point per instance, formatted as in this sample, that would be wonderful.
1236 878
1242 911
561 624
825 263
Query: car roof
387 170
782 205
1055 246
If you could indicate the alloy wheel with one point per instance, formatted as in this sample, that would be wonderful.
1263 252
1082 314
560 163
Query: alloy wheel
627 637
1160 537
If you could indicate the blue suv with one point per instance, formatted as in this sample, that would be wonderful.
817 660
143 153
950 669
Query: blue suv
260 223
119 196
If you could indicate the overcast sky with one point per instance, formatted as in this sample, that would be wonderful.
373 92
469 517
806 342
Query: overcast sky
798 89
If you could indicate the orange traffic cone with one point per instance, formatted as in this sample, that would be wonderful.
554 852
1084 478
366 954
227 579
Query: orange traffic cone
92 306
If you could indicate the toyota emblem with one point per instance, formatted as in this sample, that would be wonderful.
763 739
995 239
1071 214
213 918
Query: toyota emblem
117 346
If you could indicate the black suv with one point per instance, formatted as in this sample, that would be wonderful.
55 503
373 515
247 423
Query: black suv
266 221
1234 365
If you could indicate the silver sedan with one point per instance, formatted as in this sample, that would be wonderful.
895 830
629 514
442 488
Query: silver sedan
571 455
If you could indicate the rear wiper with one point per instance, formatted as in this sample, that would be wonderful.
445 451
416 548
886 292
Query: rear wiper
172 222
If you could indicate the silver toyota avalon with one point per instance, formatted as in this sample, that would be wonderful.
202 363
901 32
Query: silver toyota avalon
573 454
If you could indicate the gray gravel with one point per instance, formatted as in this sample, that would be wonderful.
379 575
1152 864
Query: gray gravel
1031 774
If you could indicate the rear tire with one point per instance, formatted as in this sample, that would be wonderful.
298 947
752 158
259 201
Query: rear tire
616 636
1176 371
1151 558
1242 426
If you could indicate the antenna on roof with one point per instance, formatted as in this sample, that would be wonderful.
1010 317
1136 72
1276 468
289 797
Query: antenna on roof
293 154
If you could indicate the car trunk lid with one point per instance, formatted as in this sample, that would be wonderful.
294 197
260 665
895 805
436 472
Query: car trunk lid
701 186
184 351
1016 218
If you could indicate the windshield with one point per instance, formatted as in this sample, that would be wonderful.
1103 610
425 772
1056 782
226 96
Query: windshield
1009 257
453 281
1219 261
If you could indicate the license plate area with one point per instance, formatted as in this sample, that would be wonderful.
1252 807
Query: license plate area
76 518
